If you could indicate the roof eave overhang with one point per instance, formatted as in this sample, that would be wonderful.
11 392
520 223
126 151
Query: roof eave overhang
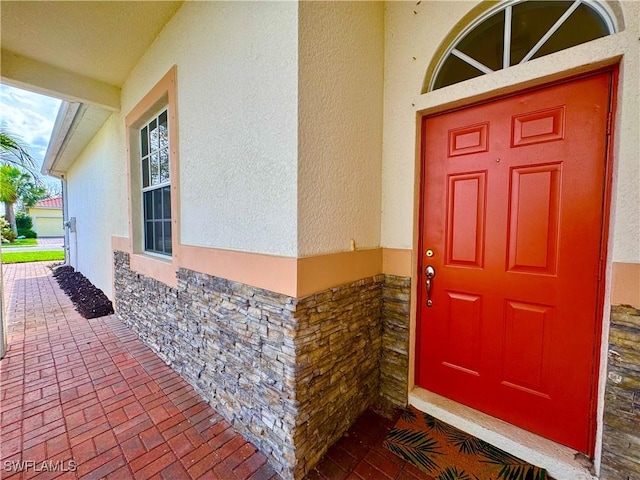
87 103
61 127
75 126
47 79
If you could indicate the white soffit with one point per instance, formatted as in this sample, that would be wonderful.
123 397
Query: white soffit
75 126
100 40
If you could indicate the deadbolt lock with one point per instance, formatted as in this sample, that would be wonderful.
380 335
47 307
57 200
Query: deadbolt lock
429 253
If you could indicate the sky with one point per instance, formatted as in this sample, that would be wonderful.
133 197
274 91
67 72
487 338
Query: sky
29 117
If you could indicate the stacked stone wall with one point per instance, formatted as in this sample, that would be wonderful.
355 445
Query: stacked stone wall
244 358
394 359
338 345
150 308
290 374
621 438
234 344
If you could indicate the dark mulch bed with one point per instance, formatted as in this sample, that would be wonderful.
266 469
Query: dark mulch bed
90 301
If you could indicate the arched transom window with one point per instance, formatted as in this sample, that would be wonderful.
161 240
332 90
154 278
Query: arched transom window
517 31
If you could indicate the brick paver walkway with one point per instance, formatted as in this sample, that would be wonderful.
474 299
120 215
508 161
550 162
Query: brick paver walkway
89 396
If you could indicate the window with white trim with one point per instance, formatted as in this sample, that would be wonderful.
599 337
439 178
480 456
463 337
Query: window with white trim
516 31
156 184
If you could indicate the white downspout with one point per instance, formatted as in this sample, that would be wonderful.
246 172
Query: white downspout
65 221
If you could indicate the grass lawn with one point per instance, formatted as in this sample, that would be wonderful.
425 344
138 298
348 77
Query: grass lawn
23 257
24 242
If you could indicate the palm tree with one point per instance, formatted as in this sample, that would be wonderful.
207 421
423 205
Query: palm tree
13 152
15 183
9 193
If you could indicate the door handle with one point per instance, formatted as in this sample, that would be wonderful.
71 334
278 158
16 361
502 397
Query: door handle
429 272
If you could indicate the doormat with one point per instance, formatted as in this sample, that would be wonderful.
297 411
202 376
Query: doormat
446 453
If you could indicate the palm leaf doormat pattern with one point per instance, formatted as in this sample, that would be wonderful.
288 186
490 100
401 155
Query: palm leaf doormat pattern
446 453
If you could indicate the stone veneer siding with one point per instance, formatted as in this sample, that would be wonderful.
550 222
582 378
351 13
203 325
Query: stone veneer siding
338 363
621 439
290 374
394 360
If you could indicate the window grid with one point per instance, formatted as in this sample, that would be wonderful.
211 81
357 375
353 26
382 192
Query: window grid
445 65
156 181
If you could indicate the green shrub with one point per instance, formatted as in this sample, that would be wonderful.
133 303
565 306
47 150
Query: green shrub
6 232
27 233
23 221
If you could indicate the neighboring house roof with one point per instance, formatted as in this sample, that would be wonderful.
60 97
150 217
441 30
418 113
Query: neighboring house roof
49 203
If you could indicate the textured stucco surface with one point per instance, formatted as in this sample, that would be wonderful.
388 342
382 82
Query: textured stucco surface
237 130
626 201
412 35
411 39
97 196
341 52
237 121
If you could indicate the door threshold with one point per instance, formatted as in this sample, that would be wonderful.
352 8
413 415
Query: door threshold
561 462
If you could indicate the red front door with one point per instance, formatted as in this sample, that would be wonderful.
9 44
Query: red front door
512 215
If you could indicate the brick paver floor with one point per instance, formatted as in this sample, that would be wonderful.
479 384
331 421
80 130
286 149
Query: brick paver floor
88 399
89 395
359 455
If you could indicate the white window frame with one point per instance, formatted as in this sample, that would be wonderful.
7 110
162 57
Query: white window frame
157 186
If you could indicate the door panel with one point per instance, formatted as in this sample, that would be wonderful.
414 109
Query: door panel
462 348
465 219
526 333
512 209
533 219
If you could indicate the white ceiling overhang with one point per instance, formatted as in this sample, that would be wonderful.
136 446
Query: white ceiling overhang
80 52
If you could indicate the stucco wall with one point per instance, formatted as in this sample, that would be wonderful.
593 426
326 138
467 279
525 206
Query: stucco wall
411 39
97 196
414 31
237 110
237 129
626 213
341 52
